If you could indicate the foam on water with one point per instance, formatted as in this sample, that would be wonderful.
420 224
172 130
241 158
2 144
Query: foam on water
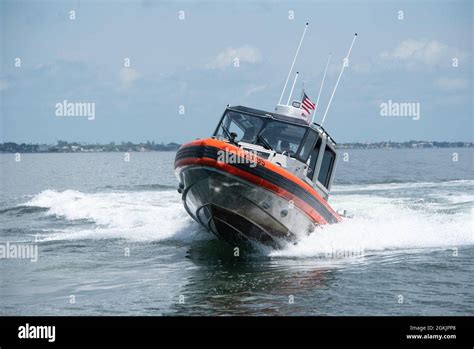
379 223
143 215
384 224
395 186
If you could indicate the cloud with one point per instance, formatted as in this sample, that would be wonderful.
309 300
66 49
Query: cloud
225 58
428 52
128 76
4 84
253 89
451 84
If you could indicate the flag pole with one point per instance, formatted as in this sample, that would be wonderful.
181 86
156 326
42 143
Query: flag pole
292 64
321 88
292 88
345 62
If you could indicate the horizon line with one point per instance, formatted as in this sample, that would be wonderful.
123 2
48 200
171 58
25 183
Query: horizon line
175 142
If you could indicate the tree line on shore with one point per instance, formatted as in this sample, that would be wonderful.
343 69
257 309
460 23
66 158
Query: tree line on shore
73 147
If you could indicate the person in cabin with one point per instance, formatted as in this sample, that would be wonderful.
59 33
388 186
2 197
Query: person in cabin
285 147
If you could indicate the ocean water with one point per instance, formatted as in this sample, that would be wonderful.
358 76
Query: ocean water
113 239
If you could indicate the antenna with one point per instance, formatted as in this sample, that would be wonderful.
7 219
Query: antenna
292 88
321 88
345 62
292 64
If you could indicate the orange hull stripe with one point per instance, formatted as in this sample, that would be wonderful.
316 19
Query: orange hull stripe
238 151
313 214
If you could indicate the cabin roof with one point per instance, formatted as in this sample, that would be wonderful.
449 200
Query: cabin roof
280 117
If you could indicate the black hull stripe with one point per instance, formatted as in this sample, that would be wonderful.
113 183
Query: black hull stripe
264 173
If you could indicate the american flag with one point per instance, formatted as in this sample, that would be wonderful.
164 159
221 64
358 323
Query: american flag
306 104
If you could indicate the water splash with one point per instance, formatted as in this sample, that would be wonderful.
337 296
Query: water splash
142 216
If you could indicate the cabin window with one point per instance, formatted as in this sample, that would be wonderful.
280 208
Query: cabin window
313 159
245 126
283 137
237 129
308 145
326 167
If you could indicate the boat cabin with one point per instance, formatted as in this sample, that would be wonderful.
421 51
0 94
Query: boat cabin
305 150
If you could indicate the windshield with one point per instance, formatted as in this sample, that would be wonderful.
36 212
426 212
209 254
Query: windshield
245 126
280 136
283 137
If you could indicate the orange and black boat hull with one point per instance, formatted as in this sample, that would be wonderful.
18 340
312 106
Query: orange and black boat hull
249 199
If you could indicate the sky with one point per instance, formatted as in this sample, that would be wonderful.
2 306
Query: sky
182 72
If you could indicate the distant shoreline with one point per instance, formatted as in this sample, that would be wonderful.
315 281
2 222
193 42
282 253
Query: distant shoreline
75 147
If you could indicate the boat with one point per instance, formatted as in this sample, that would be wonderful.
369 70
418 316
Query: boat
262 177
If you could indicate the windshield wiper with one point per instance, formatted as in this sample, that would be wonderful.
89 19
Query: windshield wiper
264 142
226 130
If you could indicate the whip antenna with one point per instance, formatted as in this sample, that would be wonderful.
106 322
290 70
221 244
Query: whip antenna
292 88
321 88
345 63
292 64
